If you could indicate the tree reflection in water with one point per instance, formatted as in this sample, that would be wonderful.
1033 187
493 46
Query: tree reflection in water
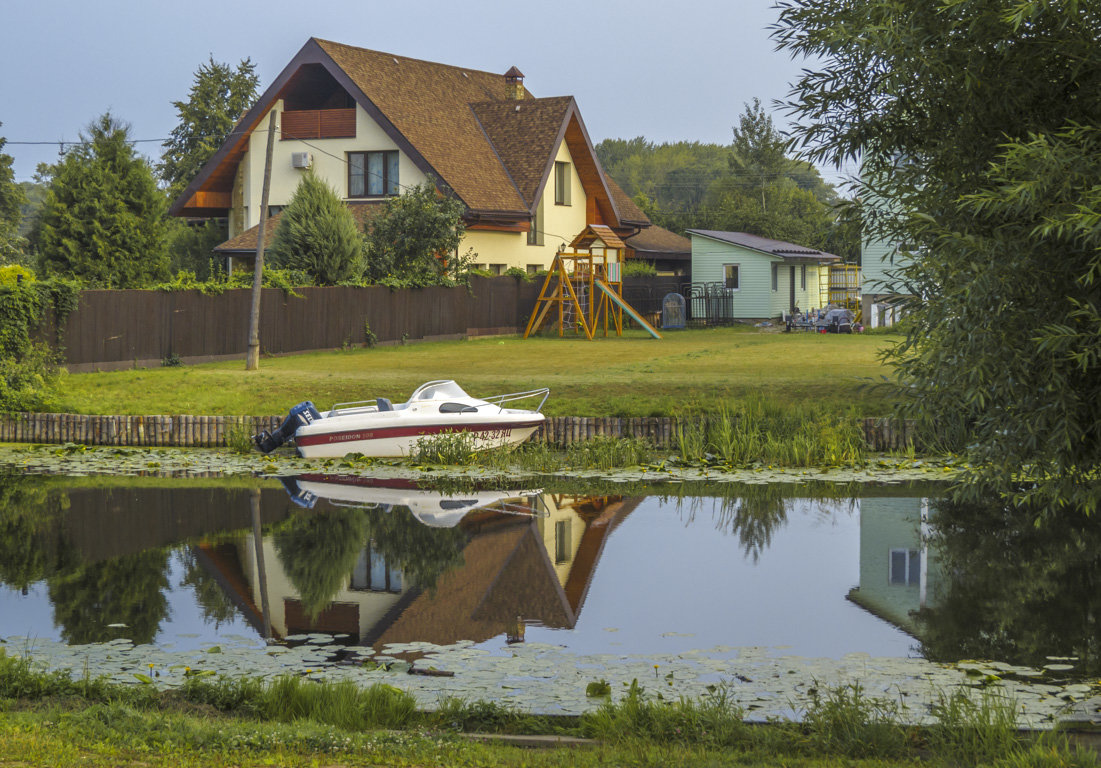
422 553
214 603
1014 590
125 590
754 512
31 547
318 551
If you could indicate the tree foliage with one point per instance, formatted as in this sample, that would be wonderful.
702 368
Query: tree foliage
415 240
103 218
12 200
977 125
217 99
317 235
752 186
1043 603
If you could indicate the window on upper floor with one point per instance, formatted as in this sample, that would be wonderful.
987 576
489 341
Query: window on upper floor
373 174
535 233
562 183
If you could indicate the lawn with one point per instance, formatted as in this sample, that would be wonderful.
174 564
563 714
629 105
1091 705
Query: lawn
635 375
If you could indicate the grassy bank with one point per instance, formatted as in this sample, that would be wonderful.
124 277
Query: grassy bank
51 720
688 371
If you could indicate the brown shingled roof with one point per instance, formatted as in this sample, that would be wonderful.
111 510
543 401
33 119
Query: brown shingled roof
525 134
428 104
456 124
655 239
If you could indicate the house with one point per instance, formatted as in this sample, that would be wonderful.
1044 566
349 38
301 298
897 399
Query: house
881 300
373 124
758 277
899 572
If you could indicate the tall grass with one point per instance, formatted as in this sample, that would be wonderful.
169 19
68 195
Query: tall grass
286 699
843 721
759 430
713 720
974 729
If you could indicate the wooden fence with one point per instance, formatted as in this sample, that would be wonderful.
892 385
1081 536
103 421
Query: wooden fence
122 329
213 431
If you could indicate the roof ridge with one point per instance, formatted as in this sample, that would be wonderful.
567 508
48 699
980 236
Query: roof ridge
408 58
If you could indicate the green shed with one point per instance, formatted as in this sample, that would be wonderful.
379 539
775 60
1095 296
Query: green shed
765 278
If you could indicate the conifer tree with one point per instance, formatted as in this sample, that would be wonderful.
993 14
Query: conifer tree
317 235
102 221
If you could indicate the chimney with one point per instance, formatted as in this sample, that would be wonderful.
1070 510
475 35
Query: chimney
514 84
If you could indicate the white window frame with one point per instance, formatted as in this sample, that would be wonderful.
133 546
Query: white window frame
737 276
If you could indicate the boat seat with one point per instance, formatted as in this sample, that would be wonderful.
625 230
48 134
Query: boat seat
457 408
383 404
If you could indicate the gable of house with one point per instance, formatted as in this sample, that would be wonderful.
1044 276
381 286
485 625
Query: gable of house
370 114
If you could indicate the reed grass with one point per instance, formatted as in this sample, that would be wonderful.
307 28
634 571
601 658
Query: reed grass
713 720
289 698
974 729
760 430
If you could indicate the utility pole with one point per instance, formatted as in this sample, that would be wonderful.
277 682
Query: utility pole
252 360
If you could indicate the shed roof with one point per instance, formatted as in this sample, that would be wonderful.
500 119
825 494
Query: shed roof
779 248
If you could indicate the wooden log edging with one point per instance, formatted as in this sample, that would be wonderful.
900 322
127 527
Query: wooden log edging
183 431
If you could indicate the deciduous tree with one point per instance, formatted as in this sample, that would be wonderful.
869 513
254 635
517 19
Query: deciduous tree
977 125
12 200
416 239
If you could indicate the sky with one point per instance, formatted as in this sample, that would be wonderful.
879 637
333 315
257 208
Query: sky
669 71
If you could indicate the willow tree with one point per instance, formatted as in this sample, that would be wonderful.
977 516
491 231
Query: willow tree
976 123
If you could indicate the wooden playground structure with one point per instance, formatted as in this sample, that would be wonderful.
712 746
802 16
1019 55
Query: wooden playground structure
583 290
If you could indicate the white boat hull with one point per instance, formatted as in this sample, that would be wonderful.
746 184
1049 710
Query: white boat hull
339 436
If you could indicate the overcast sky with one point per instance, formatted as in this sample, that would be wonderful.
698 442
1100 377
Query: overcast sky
668 71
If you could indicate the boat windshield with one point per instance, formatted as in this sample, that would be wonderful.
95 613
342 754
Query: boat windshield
438 390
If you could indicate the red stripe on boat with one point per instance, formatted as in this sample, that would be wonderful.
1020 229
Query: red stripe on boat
386 433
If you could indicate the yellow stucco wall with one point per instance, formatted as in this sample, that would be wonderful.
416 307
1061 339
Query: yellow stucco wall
561 223
329 162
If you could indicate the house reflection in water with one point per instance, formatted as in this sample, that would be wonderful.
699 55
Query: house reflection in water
897 575
521 558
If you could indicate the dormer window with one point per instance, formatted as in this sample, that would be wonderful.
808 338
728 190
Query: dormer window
373 174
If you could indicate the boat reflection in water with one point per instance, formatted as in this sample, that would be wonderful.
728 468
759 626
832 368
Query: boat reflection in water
383 561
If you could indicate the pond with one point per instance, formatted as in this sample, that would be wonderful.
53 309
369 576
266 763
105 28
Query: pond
326 571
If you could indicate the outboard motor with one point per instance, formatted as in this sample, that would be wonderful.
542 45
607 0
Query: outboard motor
304 499
300 415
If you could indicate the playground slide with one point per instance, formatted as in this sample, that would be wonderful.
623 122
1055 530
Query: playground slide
627 308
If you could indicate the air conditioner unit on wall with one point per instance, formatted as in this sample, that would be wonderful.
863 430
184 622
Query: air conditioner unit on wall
301 160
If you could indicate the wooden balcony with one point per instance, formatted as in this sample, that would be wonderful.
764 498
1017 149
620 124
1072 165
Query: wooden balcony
319 124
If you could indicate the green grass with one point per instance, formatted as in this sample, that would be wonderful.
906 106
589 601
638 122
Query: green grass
50 720
687 371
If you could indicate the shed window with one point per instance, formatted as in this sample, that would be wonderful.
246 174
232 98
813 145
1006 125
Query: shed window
731 277
775 277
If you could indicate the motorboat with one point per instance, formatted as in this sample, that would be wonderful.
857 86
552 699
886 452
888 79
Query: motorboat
381 428
432 508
